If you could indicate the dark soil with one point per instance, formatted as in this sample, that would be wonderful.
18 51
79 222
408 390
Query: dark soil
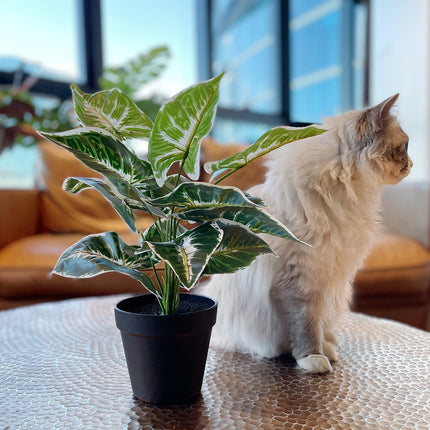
187 304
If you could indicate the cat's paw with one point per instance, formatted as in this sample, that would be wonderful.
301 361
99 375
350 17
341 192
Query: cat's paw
315 363
330 351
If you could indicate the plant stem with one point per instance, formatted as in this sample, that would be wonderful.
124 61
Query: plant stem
170 288
217 181
181 168
160 285
170 298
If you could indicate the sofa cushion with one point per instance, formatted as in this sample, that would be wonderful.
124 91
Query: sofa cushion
396 266
42 250
26 265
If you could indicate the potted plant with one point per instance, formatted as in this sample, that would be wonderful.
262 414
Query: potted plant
199 228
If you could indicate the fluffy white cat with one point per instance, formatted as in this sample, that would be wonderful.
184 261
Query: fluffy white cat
327 190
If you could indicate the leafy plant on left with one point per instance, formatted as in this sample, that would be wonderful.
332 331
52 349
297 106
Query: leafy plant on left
20 118
199 228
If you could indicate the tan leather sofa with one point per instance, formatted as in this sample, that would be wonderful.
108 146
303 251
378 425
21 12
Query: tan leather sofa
37 225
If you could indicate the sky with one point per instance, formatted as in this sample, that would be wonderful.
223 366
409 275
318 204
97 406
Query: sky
45 33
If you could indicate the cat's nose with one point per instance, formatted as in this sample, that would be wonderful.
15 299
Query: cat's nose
408 167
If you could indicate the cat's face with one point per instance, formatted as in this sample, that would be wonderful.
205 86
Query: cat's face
388 143
397 163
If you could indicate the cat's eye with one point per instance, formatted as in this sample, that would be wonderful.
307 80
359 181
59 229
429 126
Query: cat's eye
403 147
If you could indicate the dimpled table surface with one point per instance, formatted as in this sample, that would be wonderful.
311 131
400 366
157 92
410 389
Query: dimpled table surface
62 367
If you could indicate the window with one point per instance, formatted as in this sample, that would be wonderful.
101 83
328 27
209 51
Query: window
316 69
249 59
130 27
70 41
41 38
285 62
326 52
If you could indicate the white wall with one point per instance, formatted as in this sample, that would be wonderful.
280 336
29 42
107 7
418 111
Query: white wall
406 209
400 63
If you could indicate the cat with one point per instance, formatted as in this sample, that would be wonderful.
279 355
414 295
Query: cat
327 190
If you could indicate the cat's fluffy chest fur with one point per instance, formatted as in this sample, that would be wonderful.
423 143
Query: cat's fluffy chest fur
326 189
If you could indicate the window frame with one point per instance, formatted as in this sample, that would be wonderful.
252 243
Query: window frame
204 19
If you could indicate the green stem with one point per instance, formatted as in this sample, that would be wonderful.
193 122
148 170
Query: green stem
154 270
181 168
217 181
170 298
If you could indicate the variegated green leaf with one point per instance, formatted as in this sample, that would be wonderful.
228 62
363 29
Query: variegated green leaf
104 153
118 201
113 111
105 252
272 139
152 190
180 125
188 254
256 200
193 195
202 202
238 248
253 218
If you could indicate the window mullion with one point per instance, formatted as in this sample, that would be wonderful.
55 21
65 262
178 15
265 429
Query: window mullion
92 34
285 59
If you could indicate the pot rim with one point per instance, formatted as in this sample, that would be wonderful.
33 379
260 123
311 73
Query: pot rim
147 324
176 315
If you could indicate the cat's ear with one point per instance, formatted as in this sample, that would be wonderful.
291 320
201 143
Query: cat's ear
381 111
374 120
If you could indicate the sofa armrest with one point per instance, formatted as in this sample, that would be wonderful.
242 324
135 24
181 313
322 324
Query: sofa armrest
19 214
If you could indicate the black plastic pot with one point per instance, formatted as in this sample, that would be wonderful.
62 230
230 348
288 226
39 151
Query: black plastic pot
166 354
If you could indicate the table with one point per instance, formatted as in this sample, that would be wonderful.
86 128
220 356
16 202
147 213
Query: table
62 367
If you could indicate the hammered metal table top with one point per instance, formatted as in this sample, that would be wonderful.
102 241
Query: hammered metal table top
62 367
